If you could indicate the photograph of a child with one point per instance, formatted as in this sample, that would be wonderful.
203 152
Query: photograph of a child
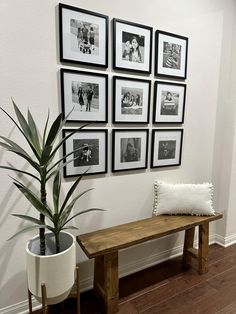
88 155
166 149
84 37
130 149
133 47
171 55
131 101
85 96
169 103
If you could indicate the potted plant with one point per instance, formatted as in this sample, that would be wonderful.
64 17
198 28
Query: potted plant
50 256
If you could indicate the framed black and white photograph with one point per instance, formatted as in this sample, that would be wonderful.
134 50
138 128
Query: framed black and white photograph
132 46
90 152
131 100
83 36
129 149
166 147
85 94
171 55
169 102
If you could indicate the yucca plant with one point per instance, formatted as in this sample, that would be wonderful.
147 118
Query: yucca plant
42 150
59 215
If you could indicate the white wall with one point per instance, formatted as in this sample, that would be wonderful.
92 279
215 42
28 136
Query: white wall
29 73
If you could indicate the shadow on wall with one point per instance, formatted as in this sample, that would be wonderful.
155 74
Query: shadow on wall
14 284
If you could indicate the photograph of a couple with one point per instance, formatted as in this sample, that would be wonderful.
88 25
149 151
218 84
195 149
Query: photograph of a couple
84 37
85 96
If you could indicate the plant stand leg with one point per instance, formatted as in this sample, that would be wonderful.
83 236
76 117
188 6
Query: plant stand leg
44 298
30 302
77 289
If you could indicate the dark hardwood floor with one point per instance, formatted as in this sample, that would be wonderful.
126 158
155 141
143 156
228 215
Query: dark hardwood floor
167 289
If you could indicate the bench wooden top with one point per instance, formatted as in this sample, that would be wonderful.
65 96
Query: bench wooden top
119 237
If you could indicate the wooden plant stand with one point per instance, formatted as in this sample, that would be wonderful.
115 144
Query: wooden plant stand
74 294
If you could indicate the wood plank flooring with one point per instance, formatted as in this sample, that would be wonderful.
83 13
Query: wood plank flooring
167 289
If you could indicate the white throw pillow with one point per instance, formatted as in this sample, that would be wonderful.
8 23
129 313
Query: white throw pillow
188 199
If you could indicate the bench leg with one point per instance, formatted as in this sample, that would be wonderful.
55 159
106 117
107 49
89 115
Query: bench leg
111 283
188 244
98 283
106 281
203 247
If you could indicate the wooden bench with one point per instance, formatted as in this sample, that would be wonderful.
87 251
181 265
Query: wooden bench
103 245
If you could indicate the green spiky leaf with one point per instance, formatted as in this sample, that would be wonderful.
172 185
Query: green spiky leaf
34 132
70 192
29 218
81 213
15 146
20 171
45 130
26 130
56 190
26 229
46 155
33 199
65 139
53 132
65 213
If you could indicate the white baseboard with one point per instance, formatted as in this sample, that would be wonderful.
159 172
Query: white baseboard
124 270
225 241
21 307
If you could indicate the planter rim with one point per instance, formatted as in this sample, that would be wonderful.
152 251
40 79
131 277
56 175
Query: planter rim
51 255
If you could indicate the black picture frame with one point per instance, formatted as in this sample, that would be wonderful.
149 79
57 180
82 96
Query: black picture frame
131 100
124 58
129 149
166 147
171 55
169 102
85 95
92 157
81 45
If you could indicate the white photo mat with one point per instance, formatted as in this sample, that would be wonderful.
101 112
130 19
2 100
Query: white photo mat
117 136
160 69
173 135
70 169
121 27
76 115
68 53
126 83
162 87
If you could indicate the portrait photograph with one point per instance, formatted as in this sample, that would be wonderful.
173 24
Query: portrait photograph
171 53
169 102
84 94
166 147
132 46
85 150
83 36
130 149
131 100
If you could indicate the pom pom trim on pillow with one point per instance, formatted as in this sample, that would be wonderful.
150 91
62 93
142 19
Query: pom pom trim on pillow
187 199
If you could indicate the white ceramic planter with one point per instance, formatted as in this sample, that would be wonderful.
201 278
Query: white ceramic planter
56 271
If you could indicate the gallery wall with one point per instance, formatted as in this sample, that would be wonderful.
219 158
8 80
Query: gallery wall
29 72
